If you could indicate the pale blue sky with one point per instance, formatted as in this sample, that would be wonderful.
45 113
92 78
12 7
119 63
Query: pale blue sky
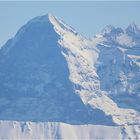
88 18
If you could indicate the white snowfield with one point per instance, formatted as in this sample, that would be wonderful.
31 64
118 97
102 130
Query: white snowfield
53 130
104 72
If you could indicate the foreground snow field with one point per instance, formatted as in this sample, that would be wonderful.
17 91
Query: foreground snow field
55 130
55 83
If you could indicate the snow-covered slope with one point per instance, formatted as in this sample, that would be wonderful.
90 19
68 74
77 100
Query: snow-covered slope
50 73
55 130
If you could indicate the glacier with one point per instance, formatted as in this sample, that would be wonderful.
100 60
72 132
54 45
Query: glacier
58 84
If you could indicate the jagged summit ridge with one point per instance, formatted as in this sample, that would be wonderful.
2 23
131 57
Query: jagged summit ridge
133 28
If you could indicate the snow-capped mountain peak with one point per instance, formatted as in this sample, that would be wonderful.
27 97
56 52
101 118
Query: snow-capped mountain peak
133 28
50 73
47 21
109 29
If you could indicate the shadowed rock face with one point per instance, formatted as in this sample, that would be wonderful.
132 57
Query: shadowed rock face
34 78
118 66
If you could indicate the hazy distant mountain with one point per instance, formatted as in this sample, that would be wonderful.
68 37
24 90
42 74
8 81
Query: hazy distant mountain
55 80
